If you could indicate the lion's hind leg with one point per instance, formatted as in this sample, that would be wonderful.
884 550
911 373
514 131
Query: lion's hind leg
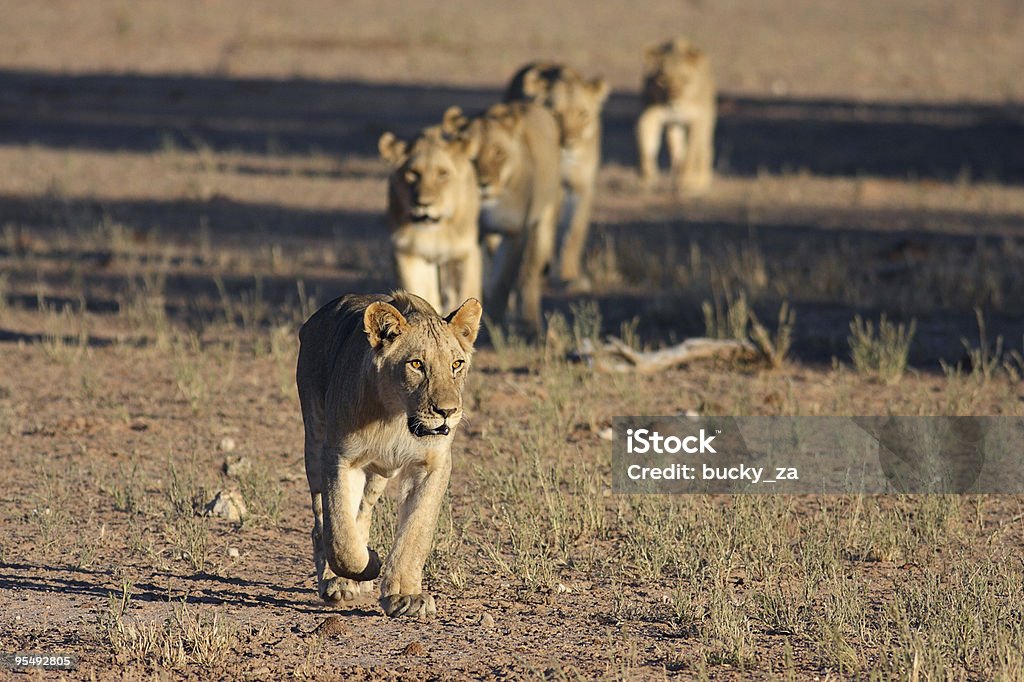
327 583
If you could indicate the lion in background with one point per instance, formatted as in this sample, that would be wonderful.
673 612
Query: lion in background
433 210
679 99
518 171
576 104
380 381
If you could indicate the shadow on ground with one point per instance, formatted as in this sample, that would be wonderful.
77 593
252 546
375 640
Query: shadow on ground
823 137
203 588
900 258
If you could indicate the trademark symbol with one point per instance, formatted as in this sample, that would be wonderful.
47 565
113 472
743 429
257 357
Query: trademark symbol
718 432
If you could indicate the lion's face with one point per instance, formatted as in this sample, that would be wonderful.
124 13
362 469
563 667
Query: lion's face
500 151
423 361
672 71
577 105
427 175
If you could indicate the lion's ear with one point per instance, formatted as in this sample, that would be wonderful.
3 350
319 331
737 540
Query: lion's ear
507 115
680 45
391 148
600 88
467 142
453 121
465 322
652 57
382 323
693 54
533 84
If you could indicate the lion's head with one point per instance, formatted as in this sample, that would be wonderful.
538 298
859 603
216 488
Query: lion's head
575 101
428 174
422 359
497 135
672 70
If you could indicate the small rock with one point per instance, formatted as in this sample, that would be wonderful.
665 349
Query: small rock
487 621
237 466
234 553
606 434
561 589
331 627
227 444
227 504
414 649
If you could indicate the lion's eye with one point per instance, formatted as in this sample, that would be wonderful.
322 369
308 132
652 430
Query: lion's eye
442 174
457 364
416 364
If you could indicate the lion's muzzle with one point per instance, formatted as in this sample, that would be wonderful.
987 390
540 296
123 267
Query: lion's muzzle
419 429
423 214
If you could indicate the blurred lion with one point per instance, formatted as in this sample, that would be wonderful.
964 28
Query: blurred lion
679 99
518 171
576 103
434 209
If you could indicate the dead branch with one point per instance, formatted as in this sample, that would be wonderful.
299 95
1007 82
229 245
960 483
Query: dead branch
616 356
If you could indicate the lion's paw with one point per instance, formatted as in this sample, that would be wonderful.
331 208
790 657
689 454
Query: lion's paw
343 589
330 589
396 605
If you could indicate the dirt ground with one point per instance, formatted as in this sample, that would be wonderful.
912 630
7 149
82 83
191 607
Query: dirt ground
181 184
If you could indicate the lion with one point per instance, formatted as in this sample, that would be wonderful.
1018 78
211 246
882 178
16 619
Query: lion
434 208
380 381
576 103
679 98
518 170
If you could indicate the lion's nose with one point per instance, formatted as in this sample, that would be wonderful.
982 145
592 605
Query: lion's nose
444 411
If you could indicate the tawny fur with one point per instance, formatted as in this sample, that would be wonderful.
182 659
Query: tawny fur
576 104
380 381
433 210
518 170
679 102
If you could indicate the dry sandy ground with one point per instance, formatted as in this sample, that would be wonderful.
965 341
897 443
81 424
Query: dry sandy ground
180 182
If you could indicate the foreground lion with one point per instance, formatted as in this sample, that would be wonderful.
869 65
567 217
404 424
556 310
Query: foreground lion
679 98
433 208
380 382
517 168
576 104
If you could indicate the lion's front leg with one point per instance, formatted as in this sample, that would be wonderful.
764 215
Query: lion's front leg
648 142
401 584
676 137
572 236
698 164
537 254
330 587
375 484
506 263
462 278
419 276
344 546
